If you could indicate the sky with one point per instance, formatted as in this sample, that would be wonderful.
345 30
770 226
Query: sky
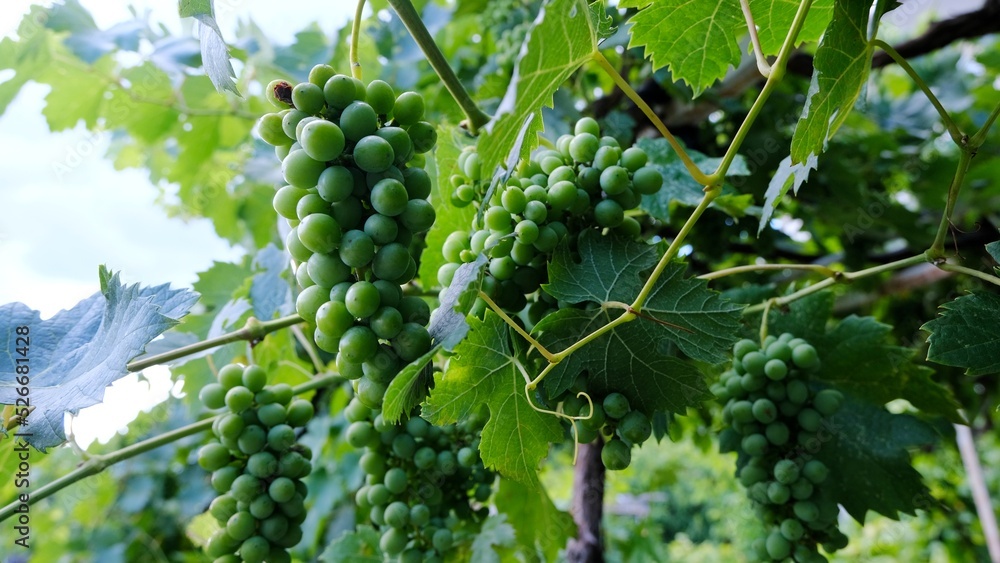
64 209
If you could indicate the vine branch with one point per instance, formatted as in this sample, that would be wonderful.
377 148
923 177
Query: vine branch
411 19
253 330
829 272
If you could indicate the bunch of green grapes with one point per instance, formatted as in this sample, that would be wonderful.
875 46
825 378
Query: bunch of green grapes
424 484
509 22
356 197
586 181
613 419
774 417
257 466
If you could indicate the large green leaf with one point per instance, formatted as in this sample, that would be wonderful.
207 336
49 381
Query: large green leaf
865 447
612 269
563 38
698 41
967 334
540 527
857 356
842 64
76 354
487 369
774 18
408 388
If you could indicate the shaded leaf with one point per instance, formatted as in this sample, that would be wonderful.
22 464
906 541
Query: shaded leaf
358 546
682 310
774 18
857 357
496 532
487 369
77 353
967 334
865 448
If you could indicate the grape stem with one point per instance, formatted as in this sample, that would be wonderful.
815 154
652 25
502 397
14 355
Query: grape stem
98 463
953 130
355 37
762 65
251 331
517 328
475 117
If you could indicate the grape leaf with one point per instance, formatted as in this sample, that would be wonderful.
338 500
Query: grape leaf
214 51
540 527
487 369
448 325
865 448
270 292
774 18
562 39
967 334
408 388
696 40
449 218
994 249
77 353
856 357
604 25
358 546
496 532
842 64
787 175
614 269
678 185
633 359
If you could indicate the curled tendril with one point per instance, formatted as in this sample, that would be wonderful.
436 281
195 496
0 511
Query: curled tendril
564 416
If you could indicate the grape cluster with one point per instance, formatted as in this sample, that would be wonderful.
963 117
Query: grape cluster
509 22
585 181
613 418
257 466
421 482
774 417
356 197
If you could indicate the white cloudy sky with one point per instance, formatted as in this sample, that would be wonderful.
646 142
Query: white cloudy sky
57 226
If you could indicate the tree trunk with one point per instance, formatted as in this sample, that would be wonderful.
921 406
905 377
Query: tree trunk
588 505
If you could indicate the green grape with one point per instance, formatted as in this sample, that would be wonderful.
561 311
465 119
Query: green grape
262 465
231 376
246 488
308 98
348 213
254 549
442 540
301 170
828 401
221 543
239 399
606 157
805 357
412 342
777 546
587 125
357 248
616 455
286 199
241 525
320 73
742 411
300 412
786 471
562 195
290 120
743 347
358 344
252 439
635 427
334 318
380 97
414 310
281 490
335 184
319 233
609 213
810 420
362 299
254 378
417 182
806 511
308 303
223 507
327 270
754 362
792 529
765 411
389 197
391 261
777 433
754 444
418 216
373 154
816 471
409 109
614 180
447 463
583 147
633 158
797 392
274 528
322 140
393 541
270 129
420 515
279 93
213 396
423 136
778 493
775 370
615 405
397 515
802 489
213 456
222 478
339 91
424 458
359 121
